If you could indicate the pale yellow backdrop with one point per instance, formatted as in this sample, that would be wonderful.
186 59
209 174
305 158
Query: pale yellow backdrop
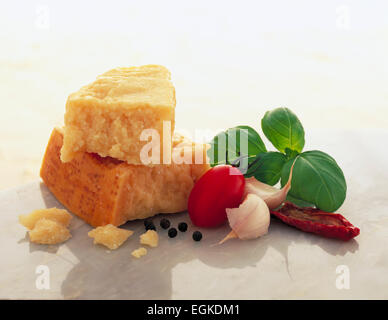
230 62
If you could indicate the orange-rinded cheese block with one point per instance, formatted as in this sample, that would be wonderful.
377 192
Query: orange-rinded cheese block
108 191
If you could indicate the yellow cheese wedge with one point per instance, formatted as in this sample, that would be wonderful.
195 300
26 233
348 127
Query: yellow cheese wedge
108 116
108 191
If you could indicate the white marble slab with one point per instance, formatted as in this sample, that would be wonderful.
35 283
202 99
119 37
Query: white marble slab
284 264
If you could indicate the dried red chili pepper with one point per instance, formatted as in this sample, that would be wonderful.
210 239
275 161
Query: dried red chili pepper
331 225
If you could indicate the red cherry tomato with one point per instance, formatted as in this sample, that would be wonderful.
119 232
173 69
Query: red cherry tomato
219 188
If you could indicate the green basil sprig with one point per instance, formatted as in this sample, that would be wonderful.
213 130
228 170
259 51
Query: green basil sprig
227 141
317 179
267 167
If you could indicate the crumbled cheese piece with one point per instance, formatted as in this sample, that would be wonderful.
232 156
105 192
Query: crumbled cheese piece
59 215
48 231
139 252
110 236
150 238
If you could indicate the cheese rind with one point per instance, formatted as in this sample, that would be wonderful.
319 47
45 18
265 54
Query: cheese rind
108 191
108 116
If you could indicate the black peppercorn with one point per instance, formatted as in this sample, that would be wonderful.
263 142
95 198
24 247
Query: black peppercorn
165 223
172 232
149 225
182 227
148 222
197 236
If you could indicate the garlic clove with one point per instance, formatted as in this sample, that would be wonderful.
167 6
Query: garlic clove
250 220
272 196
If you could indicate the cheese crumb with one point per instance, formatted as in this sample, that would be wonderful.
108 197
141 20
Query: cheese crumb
48 231
150 238
59 215
139 252
110 236
47 226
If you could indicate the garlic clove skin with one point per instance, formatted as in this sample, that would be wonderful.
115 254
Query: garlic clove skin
230 235
250 220
272 196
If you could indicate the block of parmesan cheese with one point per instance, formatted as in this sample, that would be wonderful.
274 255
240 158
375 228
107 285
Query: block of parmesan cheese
108 116
108 191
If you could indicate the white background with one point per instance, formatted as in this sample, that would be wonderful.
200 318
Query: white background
230 62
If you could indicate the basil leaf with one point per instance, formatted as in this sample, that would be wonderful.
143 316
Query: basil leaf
290 154
255 143
283 128
316 179
225 147
218 149
267 167
299 202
